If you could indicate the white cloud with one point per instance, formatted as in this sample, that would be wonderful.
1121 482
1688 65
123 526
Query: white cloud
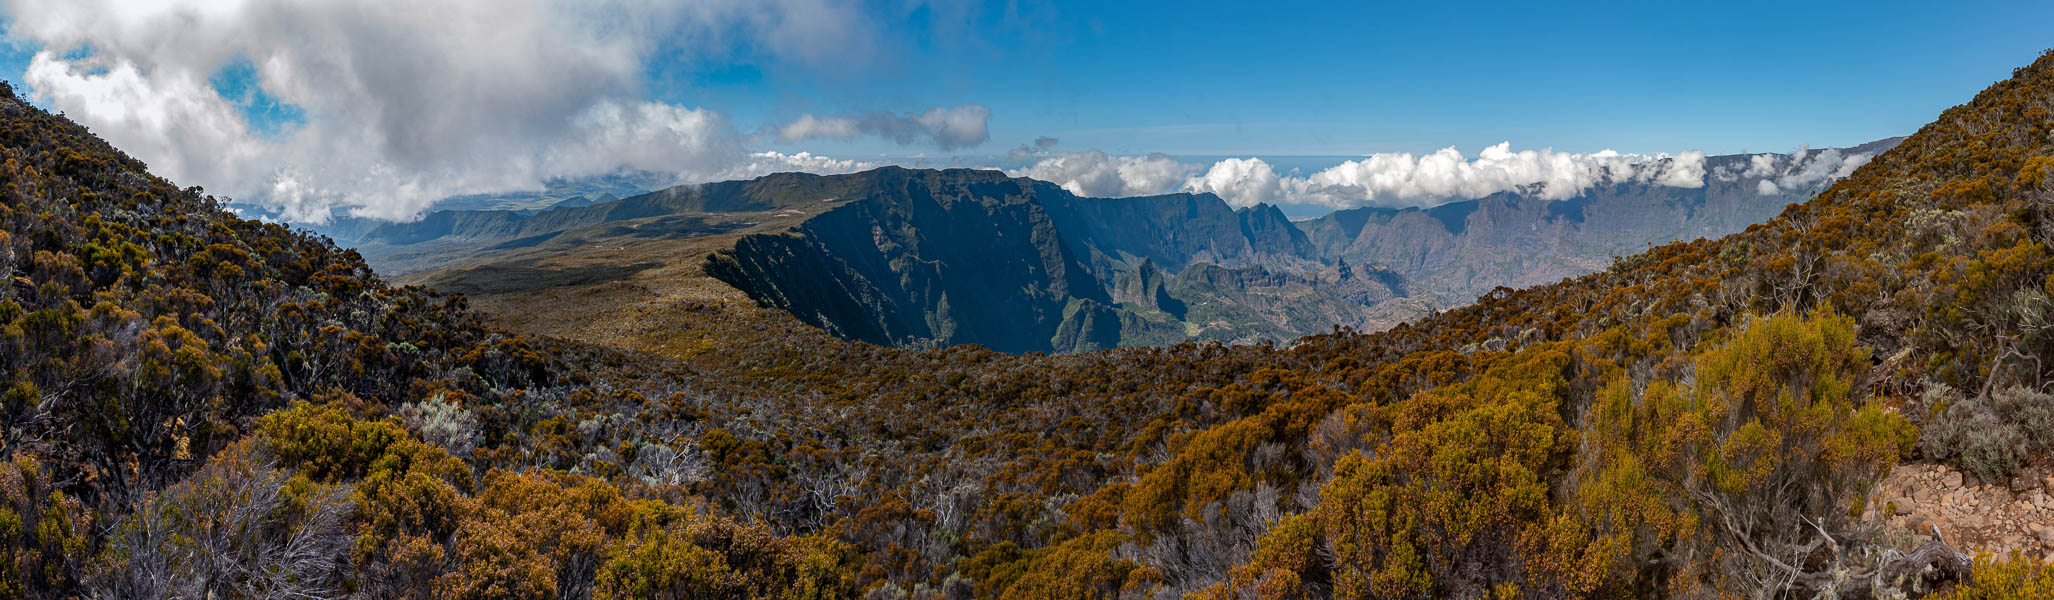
1804 169
765 163
1240 181
809 126
1811 168
947 127
1403 179
1686 170
1761 165
409 101
160 119
1095 174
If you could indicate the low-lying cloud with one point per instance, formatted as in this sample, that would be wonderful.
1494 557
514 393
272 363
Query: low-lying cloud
1097 174
947 128
1403 179
1801 170
1392 179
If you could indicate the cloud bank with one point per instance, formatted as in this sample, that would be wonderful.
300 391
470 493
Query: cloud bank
1403 179
1392 179
409 101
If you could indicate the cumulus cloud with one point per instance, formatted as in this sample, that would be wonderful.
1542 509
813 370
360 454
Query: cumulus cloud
409 101
1804 169
1241 182
1808 168
1686 170
1096 174
1760 165
1403 179
160 119
1045 142
1394 179
947 127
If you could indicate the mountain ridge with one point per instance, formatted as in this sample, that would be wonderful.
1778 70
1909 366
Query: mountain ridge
1427 259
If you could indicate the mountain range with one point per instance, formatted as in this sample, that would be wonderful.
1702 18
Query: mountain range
1846 400
926 258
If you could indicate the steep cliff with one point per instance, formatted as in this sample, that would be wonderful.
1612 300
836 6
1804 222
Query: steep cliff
924 258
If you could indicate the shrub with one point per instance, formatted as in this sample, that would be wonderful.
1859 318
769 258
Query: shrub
19 397
2032 411
665 566
2013 578
1769 448
1991 450
1987 436
233 529
443 423
659 464
42 532
1082 567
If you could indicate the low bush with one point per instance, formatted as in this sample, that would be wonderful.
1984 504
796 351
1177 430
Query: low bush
443 423
2012 578
1988 437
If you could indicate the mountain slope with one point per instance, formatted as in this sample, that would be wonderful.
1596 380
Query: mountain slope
1702 419
868 269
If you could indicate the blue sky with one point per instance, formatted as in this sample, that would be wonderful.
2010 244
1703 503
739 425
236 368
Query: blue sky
379 107
1347 78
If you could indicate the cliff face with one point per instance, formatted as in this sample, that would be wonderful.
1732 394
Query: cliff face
924 258
1178 230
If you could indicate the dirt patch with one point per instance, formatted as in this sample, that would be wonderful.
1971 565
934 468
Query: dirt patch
1973 516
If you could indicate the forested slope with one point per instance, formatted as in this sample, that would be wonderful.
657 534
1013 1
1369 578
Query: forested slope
201 405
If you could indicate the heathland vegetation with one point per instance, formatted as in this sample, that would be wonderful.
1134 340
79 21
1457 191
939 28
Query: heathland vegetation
201 405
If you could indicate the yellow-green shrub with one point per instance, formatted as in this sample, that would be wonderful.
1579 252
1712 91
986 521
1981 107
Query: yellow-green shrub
2015 577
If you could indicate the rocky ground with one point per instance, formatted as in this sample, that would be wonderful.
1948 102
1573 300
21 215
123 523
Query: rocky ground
1973 516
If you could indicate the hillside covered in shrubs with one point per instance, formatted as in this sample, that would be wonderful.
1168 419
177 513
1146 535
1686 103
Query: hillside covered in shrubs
197 405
